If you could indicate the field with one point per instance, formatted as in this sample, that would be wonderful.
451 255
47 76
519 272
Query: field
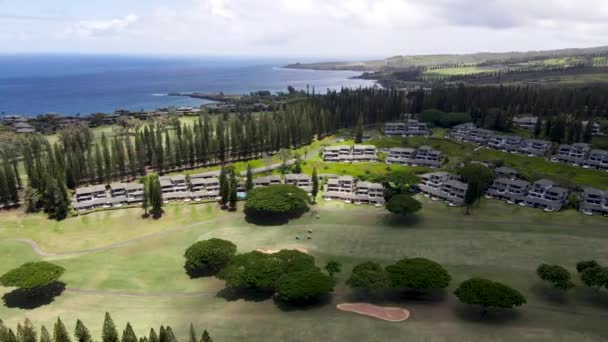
142 280
459 71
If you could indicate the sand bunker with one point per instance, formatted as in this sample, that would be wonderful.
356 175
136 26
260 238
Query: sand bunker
272 251
381 312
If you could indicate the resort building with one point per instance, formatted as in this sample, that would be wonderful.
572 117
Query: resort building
505 172
594 202
597 159
173 183
575 154
89 193
424 156
300 180
266 181
459 132
406 128
526 122
443 186
546 195
535 147
508 189
346 189
345 153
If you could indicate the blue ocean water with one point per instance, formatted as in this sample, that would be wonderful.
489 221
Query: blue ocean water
73 84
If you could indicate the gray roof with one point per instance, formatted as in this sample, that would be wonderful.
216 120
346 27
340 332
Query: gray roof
401 149
504 169
544 182
457 184
90 189
346 178
297 176
206 174
118 186
135 186
593 191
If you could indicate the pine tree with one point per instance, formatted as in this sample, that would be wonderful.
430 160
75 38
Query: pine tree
249 182
170 335
109 333
28 332
153 336
145 204
224 188
193 337
315 184
538 127
359 130
233 198
162 334
588 133
60 333
156 197
81 332
108 167
11 336
3 332
44 335
128 335
206 337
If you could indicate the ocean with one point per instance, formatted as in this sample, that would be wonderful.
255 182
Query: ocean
84 84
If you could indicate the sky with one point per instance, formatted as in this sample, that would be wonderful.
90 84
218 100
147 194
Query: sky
330 29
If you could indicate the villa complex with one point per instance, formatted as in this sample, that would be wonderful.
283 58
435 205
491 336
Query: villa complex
443 186
353 154
423 156
406 128
345 188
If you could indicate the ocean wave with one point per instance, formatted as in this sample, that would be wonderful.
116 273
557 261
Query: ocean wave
159 94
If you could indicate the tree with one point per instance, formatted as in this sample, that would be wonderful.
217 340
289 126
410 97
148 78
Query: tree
249 181
206 337
28 332
368 276
60 333
145 204
284 155
32 276
474 172
315 185
332 267
488 294
583 265
276 200
153 336
208 255
128 335
538 127
44 335
253 270
303 286
109 332
403 205
297 166
588 132
418 274
595 277
359 130
81 332
224 188
170 337
192 337
233 198
156 196
558 276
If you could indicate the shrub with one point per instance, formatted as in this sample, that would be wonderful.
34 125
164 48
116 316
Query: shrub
303 286
208 256
418 274
488 294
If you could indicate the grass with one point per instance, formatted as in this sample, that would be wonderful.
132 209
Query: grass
459 71
498 241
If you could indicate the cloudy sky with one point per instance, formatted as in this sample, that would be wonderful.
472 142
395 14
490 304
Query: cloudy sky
300 28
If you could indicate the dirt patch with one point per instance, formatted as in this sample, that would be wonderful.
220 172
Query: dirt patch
272 251
385 313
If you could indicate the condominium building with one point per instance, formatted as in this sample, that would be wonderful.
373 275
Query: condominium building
345 153
546 195
443 186
423 156
572 154
406 128
594 202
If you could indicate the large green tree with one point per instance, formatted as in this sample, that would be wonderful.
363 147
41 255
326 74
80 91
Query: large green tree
558 276
368 276
417 274
208 256
403 205
276 200
488 294
109 332
32 276
303 286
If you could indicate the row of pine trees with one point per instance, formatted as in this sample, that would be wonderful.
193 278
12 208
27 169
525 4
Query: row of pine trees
26 332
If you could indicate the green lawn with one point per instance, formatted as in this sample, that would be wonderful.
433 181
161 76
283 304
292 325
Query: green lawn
459 71
143 282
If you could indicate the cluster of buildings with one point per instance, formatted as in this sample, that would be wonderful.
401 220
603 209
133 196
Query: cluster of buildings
443 186
469 132
529 122
108 196
350 154
345 188
205 186
406 128
543 194
580 154
424 156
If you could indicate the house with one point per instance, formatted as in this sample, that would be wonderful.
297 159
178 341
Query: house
266 181
118 189
400 155
508 189
443 186
369 193
546 195
594 202
300 180
479 136
176 196
135 193
336 153
535 147
572 154
526 122
197 184
597 159
409 127
340 184
459 132
175 183
364 153
23 128
212 184
596 129
427 157
506 143
210 174
505 172
89 193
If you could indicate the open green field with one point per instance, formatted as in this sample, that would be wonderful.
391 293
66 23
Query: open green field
468 70
142 281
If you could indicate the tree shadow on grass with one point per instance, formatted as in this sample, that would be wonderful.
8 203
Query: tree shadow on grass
28 299
303 305
231 295
475 313
597 298
195 274
551 295
398 221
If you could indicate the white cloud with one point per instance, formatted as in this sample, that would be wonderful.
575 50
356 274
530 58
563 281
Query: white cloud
91 28
341 27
